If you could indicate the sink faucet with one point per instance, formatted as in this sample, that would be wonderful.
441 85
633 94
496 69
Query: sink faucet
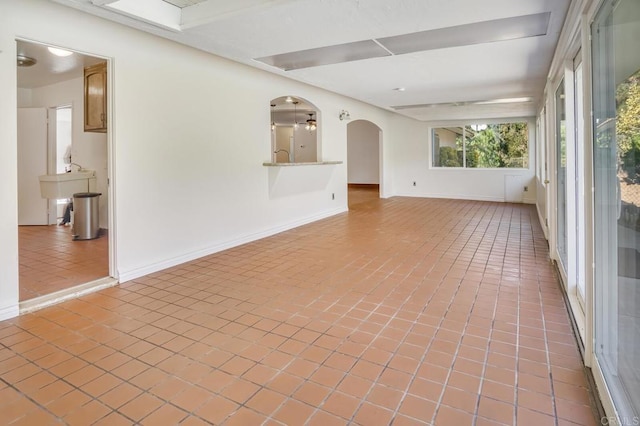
283 150
75 164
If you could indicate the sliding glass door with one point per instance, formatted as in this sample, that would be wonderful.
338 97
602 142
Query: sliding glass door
579 181
561 176
616 151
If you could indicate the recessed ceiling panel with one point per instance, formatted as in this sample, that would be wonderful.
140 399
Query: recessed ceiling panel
460 50
520 100
468 34
183 3
326 55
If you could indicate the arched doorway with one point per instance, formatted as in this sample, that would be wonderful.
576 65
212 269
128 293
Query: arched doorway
364 162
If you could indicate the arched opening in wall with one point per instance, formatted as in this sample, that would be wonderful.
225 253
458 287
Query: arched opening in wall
295 127
364 162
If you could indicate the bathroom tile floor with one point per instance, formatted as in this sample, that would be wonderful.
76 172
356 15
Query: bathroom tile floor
406 311
50 260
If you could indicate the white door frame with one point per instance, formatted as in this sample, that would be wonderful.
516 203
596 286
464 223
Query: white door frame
111 150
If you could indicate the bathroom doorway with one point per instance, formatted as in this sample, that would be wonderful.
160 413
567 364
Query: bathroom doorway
52 140
364 162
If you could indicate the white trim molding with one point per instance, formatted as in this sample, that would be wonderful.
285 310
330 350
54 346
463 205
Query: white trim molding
9 312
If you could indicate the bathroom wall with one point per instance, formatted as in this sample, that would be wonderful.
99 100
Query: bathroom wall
24 98
88 149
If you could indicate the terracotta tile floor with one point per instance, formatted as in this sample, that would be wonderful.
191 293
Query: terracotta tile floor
361 195
403 311
50 260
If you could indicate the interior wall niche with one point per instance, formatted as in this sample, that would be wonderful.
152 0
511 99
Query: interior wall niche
294 130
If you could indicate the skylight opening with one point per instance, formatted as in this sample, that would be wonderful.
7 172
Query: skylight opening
156 12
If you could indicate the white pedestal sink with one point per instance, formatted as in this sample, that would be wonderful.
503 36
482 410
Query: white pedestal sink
64 185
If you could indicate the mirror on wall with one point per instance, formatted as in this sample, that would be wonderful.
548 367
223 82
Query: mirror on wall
294 130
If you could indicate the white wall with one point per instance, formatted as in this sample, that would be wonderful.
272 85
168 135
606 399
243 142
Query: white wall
186 167
413 164
89 149
363 152
187 170
24 98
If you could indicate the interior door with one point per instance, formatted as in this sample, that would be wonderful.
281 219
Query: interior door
32 162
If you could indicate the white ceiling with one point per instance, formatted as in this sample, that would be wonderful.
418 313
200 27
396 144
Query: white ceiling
470 71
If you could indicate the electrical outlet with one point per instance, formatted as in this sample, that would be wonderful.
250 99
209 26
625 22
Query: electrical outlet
526 189
414 183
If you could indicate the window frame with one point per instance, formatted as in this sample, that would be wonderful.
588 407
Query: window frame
463 125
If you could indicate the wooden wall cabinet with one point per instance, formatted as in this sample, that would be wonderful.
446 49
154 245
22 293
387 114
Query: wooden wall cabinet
95 98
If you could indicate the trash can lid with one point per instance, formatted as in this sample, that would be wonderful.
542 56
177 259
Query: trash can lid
86 194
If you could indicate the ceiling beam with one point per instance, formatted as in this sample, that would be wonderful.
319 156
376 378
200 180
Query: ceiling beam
214 10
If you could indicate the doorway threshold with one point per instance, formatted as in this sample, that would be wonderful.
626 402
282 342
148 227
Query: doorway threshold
60 296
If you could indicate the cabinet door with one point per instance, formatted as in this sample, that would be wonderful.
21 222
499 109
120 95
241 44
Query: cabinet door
95 98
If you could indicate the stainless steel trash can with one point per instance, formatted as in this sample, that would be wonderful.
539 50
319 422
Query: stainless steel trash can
85 216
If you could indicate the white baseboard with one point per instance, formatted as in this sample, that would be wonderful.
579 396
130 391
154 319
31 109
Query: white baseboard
131 274
525 200
9 312
455 197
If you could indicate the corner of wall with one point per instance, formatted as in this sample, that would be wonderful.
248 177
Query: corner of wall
9 312
130 274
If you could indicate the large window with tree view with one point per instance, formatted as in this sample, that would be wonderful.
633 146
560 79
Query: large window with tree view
481 146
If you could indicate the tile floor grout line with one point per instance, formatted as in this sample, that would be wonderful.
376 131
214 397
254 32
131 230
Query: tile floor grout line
488 348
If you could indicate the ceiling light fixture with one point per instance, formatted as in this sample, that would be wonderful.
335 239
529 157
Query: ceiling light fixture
25 61
344 115
311 124
59 52
289 99
273 123
295 114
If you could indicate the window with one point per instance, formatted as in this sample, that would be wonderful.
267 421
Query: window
616 155
481 146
